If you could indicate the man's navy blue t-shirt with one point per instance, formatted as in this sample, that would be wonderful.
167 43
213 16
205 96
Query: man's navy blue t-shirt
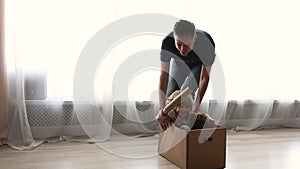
202 53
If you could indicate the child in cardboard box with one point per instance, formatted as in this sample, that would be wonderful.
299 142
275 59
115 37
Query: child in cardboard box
182 115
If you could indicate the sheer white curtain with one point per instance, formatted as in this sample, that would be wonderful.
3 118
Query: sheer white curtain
257 67
42 54
41 58
19 135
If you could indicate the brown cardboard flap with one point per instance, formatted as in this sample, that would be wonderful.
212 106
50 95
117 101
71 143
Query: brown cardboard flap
170 138
172 145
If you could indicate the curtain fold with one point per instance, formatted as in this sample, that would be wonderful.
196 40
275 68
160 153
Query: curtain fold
257 114
19 135
3 81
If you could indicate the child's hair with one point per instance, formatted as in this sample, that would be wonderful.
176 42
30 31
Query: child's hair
186 101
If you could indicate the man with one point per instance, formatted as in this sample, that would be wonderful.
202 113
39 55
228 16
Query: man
191 53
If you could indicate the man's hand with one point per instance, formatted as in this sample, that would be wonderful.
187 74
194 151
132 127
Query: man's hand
166 124
206 117
196 110
163 120
210 120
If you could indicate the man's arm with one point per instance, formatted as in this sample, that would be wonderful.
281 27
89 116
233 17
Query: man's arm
164 120
203 83
163 83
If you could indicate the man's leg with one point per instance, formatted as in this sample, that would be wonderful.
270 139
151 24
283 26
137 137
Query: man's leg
172 86
178 73
192 80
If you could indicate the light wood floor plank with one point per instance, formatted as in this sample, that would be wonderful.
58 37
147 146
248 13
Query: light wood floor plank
262 149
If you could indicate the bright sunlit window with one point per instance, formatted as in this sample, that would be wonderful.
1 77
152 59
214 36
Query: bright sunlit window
256 42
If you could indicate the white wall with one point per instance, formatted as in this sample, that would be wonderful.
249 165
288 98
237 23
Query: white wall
257 42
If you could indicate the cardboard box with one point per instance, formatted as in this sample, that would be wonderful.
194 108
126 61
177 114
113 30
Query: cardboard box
196 149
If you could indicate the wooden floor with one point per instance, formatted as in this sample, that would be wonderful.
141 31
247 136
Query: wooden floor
263 149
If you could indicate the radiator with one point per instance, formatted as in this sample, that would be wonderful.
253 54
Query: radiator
53 119
56 118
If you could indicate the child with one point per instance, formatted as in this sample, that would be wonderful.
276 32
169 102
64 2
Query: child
182 115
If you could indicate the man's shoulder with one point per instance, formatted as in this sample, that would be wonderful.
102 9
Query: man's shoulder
202 33
168 42
169 37
199 31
